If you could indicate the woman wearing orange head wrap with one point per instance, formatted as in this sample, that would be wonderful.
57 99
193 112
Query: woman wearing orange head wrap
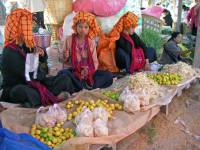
23 71
122 48
80 57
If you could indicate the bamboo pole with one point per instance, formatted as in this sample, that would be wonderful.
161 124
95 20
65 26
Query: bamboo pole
197 47
178 23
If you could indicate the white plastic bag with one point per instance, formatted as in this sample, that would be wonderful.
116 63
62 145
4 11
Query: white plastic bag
59 114
100 128
106 23
100 113
84 122
144 97
67 25
85 117
85 130
131 100
49 117
44 118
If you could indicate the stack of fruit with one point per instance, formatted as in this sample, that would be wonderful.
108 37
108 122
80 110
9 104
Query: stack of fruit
112 95
78 105
52 136
166 78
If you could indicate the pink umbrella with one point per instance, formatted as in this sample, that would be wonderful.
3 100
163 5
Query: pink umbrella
102 8
155 11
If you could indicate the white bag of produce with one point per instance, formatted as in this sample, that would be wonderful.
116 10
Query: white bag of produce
67 25
85 130
131 101
45 118
144 97
85 117
100 128
100 113
59 113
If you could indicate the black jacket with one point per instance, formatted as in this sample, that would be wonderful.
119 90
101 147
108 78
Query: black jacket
126 45
13 69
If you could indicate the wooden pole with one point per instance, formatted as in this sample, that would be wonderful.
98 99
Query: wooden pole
141 1
178 23
197 47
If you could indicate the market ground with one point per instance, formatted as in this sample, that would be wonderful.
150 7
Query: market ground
180 130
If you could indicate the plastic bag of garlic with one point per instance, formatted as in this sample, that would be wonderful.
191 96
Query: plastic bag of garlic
141 83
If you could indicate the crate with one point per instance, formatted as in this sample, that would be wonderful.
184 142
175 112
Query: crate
150 22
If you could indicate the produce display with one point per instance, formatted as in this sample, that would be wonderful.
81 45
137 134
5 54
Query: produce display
131 100
52 136
166 78
144 87
48 117
77 106
92 123
182 68
112 95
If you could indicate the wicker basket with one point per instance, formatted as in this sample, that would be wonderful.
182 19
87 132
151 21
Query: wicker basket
57 10
42 40
151 22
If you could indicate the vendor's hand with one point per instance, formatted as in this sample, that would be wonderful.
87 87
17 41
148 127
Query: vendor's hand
147 67
84 72
39 51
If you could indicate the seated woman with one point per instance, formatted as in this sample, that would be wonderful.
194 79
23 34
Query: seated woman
124 47
23 71
131 52
172 52
80 57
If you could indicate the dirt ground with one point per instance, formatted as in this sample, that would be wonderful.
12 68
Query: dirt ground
166 132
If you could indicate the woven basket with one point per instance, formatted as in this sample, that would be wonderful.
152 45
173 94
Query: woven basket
150 22
57 10
55 32
42 40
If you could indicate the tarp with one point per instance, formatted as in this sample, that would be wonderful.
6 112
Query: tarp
154 11
102 8
120 126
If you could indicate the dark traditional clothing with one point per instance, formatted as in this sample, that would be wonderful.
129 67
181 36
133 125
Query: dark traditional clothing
171 53
24 81
15 87
129 52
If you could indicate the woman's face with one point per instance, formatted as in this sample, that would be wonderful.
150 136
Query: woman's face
178 39
82 28
130 30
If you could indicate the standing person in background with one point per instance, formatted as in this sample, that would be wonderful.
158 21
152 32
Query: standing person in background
183 26
167 18
192 17
37 8
184 13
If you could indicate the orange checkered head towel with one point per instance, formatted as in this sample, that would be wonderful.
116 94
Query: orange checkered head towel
18 28
94 28
128 20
